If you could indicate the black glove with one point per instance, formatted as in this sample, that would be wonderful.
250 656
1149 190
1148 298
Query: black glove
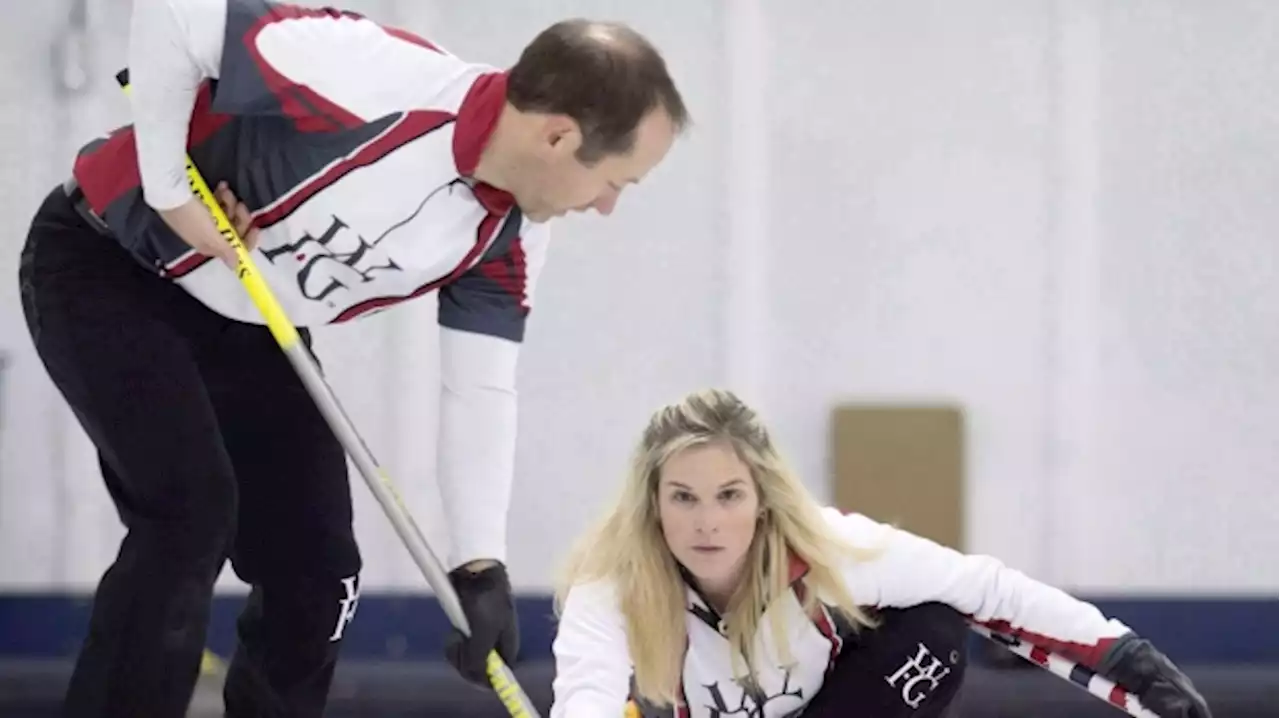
1135 665
491 611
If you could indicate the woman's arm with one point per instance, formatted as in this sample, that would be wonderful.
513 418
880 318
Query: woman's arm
910 570
593 662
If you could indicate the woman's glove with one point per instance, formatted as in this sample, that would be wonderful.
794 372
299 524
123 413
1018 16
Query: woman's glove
1135 665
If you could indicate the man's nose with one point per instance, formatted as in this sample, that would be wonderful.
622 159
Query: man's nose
606 203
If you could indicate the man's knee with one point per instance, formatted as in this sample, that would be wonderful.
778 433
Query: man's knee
348 602
192 534
291 631
309 610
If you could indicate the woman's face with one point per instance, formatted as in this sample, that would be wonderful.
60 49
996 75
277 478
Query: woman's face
708 506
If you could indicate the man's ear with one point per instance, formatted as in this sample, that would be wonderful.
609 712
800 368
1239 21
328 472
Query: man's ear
561 134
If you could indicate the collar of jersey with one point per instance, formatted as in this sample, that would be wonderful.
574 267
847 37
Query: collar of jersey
698 604
477 117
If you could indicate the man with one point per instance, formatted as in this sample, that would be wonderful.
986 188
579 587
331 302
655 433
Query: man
368 167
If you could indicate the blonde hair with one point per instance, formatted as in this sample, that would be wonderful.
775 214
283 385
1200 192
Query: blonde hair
627 546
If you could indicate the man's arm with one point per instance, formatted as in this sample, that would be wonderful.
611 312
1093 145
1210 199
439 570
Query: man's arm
323 69
482 319
477 441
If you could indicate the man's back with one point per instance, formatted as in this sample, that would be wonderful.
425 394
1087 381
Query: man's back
350 143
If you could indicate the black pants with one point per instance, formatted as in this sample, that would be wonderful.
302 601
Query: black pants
913 665
211 449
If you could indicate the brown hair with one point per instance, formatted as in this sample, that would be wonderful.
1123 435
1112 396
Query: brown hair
604 75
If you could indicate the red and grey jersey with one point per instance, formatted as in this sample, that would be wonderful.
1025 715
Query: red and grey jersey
352 144
594 670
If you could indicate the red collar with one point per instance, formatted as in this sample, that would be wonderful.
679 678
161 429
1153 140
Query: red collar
797 568
477 118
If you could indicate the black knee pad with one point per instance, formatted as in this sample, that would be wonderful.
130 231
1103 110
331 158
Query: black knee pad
912 664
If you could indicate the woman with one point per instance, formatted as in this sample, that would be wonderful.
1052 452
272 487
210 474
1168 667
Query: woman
718 587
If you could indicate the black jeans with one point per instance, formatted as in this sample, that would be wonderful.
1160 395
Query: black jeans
211 449
913 665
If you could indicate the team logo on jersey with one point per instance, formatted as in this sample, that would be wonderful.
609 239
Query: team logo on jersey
752 699
338 258
919 676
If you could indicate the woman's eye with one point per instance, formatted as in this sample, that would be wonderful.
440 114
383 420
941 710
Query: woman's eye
730 495
683 497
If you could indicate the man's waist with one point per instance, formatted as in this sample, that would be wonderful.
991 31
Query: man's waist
81 205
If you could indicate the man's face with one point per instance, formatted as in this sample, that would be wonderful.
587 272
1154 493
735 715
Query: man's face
557 183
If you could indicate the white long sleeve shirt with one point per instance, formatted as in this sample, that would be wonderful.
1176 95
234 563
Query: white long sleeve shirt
352 144
593 667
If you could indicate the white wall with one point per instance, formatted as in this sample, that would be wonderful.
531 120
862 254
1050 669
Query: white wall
1061 214
1187 335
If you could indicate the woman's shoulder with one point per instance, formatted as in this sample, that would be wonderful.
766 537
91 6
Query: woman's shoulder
861 531
597 595
589 613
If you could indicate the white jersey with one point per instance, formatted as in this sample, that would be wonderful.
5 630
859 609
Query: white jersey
353 145
594 670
